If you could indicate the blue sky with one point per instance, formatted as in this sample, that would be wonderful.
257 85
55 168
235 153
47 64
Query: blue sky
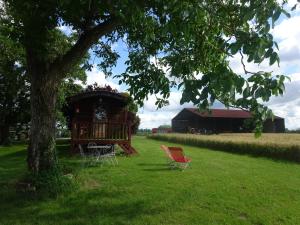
286 32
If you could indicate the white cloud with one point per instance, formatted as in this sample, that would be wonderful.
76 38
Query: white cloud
288 105
289 50
97 76
237 66
287 29
294 77
174 103
152 117
288 35
291 4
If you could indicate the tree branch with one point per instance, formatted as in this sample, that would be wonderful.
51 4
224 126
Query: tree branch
64 63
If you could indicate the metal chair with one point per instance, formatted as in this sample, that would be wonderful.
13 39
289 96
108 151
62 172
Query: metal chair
88 158
90 144
112 155
81 151
108 153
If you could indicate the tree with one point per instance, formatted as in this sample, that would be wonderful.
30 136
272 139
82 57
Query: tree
14 86
67 89
135 124
133 107
164 126
189 37
136 120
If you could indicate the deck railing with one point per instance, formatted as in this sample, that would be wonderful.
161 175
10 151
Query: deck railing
100 131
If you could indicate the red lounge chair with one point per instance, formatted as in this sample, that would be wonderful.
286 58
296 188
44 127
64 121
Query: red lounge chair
177 156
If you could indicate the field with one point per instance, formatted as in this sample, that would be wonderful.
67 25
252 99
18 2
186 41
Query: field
218 188
277 146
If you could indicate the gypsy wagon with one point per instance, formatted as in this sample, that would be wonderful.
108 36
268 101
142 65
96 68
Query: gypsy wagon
100 116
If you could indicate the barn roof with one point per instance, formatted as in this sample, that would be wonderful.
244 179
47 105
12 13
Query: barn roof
223 113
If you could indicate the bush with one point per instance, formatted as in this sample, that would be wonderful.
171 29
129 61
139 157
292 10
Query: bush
51 183
290 152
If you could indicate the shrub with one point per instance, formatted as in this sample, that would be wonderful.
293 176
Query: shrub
51 183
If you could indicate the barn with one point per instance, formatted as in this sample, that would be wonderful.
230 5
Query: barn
220 121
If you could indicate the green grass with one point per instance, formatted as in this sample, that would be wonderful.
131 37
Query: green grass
218 188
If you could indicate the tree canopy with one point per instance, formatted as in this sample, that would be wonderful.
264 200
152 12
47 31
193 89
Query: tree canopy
182 44
14 86
164 126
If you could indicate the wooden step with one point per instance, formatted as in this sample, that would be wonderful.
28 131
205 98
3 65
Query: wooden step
128 149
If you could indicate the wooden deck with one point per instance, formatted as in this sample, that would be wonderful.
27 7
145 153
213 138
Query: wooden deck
102 133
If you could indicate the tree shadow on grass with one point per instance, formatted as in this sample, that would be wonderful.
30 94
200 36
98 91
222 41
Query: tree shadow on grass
12 165
12 155
151 164
63 150
92 207
159 169
152 167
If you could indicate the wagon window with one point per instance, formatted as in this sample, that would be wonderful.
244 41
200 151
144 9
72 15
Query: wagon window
100 113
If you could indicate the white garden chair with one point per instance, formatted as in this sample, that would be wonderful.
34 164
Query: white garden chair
90 144
108 154
88 158
112 155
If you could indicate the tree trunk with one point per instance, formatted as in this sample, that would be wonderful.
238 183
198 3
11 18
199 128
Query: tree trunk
41 150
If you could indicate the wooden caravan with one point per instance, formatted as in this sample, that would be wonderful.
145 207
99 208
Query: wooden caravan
100 116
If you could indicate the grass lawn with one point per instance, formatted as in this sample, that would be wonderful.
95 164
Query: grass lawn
218 188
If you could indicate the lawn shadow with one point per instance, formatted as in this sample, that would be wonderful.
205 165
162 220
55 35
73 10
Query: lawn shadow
13 155
155 167
85 207
63 150
158 169
13 165
151 164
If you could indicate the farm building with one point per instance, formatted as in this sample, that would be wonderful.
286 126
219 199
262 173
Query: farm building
220 121
161 130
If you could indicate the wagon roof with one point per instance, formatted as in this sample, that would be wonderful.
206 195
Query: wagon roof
99 93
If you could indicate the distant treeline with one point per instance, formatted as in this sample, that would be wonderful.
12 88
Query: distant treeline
296 131
143 132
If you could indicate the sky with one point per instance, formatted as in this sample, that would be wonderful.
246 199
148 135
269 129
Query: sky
287 34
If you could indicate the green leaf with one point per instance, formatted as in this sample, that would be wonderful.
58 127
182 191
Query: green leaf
246 92
273 58
268 53
286 13
235 47
276 15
